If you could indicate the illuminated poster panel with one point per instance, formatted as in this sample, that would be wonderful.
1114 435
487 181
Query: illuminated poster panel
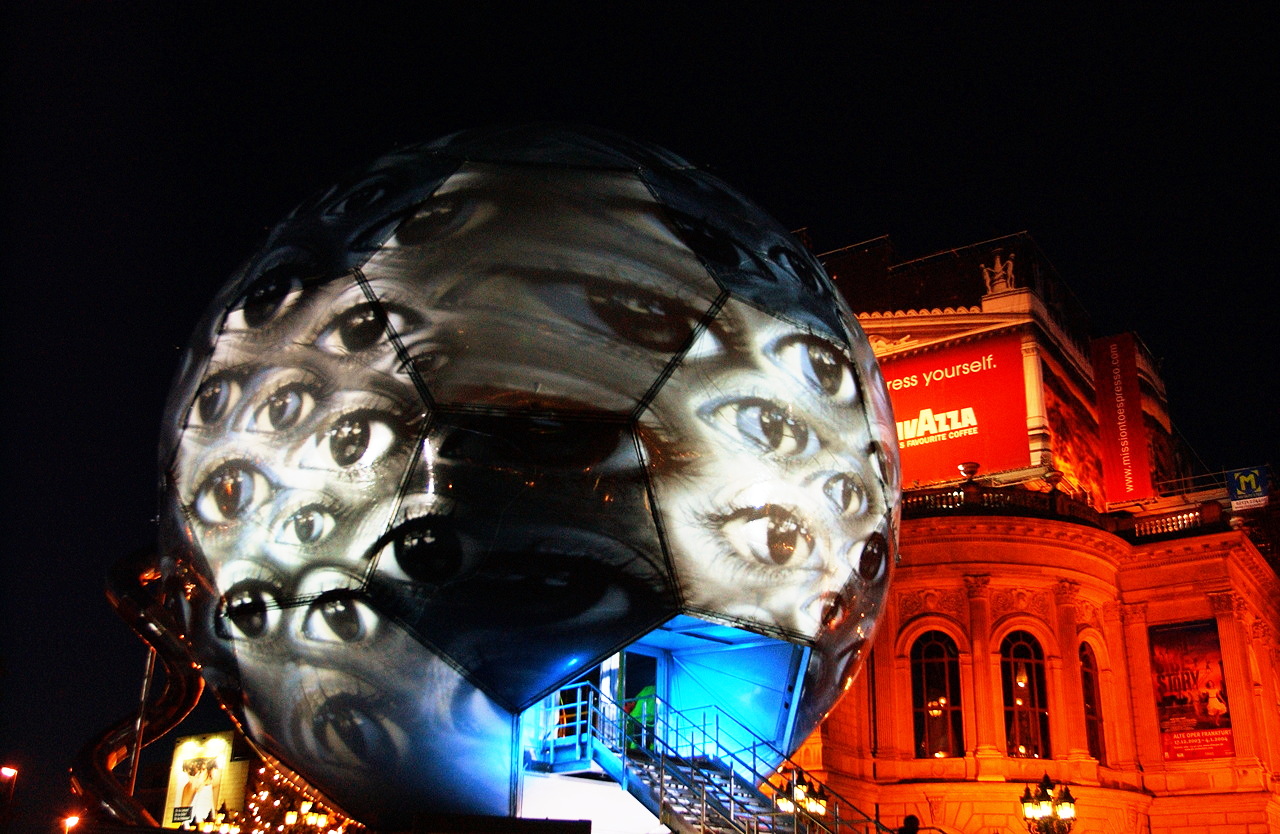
1126 463
1191 695
966 402
196 779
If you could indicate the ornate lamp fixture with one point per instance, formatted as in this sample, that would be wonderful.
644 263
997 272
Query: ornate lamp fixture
801 795
816 801
1049 808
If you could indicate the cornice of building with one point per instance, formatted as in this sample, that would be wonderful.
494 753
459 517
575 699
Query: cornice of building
942 332
1250 572
893 332
1048 551
907 314
1027 532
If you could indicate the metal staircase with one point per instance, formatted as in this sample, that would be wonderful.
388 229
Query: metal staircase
691 769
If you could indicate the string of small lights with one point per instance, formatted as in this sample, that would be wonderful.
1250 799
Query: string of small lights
279 803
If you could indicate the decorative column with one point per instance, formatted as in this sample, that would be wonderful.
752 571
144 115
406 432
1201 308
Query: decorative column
1146 721
1118 714
1237 679
1268 697
988 708
1065 594
1037 414
887 738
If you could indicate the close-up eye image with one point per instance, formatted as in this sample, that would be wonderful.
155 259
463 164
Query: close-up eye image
769 426
818 364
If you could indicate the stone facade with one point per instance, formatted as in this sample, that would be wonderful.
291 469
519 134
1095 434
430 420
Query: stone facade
1169 721
977 579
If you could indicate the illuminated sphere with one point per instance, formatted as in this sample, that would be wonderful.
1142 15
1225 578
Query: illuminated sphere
487 413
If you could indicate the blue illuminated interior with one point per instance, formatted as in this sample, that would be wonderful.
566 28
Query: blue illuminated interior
742 686
753 678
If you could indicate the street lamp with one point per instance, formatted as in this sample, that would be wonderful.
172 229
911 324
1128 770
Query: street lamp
801 795
9 776
1049 808
816 802
8 784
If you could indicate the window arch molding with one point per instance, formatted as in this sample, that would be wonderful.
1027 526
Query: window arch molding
1034 626
1093 700
1113 709
1098 643
910 633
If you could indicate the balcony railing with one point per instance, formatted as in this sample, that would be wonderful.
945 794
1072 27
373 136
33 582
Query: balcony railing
977 499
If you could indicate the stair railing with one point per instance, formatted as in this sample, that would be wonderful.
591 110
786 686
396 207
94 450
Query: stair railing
832 814
691 748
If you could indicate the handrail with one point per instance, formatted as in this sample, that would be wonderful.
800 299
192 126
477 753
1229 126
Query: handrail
687 736
794 771
617 732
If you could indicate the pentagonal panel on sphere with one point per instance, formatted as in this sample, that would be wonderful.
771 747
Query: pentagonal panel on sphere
524 549
381 736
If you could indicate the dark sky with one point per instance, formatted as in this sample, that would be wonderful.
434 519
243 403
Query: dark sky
147 148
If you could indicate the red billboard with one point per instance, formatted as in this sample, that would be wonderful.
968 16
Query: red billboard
965 402
1126 463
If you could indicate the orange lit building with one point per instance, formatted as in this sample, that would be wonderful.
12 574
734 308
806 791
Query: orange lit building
1070 601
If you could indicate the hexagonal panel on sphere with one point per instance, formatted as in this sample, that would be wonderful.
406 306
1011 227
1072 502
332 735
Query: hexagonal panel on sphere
494 411
768 522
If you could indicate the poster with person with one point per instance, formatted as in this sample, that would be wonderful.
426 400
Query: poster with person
1191 695
195 779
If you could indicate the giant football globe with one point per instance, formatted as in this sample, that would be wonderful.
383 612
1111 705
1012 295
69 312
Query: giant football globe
495 410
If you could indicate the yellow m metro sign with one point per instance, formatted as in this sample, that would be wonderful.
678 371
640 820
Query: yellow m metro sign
1247 488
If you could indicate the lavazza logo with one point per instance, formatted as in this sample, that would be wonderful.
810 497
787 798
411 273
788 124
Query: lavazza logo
931 426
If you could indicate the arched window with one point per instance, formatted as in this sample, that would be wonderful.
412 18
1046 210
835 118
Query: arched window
935 697
1026 702
1092 702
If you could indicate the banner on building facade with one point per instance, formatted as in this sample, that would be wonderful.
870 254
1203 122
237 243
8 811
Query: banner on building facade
196 782
1191 693
966 402
1248 488
1126 462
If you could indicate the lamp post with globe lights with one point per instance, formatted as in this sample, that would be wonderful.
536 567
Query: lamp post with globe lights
1048 808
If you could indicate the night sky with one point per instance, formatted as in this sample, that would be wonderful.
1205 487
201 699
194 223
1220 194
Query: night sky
147 148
